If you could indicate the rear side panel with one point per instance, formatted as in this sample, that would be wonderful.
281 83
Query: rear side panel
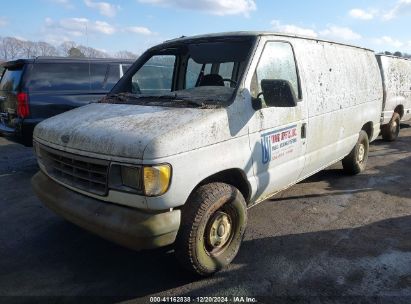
342 86
396 74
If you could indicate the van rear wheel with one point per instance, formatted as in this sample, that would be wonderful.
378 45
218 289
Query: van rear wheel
356 161
213 222
391 130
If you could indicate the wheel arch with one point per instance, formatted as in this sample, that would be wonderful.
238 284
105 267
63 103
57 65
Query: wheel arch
369 129
234 177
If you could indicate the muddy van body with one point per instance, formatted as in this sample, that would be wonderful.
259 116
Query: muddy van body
233 119
396 76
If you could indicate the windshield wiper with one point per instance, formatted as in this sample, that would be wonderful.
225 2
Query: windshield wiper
189 102
109 98
161 99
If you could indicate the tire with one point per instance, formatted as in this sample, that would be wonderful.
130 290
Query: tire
391 130
202 246
356 161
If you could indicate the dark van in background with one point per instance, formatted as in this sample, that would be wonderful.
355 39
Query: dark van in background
32 90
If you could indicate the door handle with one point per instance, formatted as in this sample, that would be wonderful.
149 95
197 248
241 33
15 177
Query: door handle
304 130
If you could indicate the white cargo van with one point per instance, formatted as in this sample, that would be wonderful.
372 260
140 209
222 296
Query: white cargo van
231 120
396 76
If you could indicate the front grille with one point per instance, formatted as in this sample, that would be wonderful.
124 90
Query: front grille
80 172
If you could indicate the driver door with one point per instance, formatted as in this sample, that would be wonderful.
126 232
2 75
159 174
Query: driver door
277 134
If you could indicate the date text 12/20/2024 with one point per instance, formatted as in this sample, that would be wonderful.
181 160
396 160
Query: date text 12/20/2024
184 299
278 143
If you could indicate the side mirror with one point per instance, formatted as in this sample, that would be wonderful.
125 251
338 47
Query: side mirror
278 93
256 103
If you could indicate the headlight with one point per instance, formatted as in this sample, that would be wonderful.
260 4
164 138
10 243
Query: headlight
131 177
145 180
156 179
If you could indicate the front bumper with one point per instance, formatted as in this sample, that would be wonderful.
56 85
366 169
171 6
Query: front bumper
128 227
5 130
21 130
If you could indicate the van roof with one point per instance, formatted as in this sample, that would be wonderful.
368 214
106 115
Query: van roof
255 34
52 59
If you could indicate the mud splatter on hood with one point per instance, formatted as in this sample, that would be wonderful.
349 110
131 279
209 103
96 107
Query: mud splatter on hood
127 130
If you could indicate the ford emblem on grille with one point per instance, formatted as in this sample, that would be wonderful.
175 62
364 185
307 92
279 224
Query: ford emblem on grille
65 138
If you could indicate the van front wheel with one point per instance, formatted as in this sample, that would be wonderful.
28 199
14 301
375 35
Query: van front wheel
391 130
356 161
213 222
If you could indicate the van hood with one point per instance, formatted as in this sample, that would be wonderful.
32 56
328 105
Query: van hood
133 131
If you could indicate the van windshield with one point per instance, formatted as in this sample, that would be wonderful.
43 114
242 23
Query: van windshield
11 79
192 74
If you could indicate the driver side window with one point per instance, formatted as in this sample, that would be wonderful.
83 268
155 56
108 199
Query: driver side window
276 62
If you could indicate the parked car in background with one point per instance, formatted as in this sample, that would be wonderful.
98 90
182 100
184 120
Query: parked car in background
32 90
396 75
235 119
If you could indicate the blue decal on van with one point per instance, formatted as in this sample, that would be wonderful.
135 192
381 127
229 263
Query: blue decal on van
277 140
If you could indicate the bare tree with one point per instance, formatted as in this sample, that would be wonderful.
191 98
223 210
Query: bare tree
398 54
46 49
10 48
15 47
66 46
3 50
75 52
125 55
29 49
92 52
